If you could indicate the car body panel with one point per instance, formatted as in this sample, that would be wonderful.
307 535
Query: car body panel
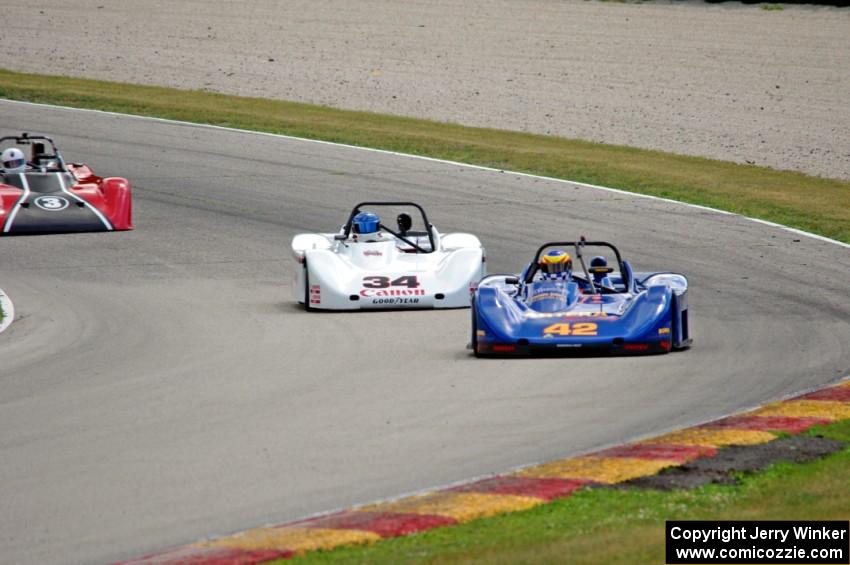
337 272
61 198
635 313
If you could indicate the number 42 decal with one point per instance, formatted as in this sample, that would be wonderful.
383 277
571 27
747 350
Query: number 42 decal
409 281
577 329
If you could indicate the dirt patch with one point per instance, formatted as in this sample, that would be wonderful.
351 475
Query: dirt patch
737 459
727 81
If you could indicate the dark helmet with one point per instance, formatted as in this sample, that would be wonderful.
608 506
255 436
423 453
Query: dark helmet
597 262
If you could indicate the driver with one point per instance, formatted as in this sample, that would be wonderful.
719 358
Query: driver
556 265
13 160
599 261
365 227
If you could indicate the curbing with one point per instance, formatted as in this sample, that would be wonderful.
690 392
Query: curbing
8 311
513 491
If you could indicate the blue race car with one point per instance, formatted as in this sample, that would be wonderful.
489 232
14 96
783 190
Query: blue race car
550 307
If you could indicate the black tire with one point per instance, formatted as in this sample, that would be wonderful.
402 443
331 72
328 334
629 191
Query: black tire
474 340
306 287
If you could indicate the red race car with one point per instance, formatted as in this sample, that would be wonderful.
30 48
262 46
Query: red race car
42 194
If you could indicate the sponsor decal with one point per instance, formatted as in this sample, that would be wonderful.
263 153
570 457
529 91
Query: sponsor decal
480 333
407 281
380 290
579 329
315 294
547 295
395 301
593 314
373 253
51 203
548 291
663 331
586 315
371 292
595 299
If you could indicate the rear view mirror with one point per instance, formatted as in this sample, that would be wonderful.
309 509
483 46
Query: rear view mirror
511 280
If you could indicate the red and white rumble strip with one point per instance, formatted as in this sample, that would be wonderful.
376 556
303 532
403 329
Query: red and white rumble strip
514 491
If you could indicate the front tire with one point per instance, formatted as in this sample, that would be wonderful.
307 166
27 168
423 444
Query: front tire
474 340
306 287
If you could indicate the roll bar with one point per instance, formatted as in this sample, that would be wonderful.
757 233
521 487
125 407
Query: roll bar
576 245
27 139
358 208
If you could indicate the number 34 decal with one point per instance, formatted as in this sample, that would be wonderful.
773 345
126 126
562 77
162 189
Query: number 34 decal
578 329
409 281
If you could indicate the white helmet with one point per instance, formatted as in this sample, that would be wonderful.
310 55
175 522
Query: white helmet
13 160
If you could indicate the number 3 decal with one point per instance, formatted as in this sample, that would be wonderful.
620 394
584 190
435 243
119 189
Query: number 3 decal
376 282
51 203
579 329
410 281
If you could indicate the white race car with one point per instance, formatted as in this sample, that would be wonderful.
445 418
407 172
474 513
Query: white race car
368 265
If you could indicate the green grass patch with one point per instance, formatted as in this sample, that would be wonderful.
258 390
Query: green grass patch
607 526
813 204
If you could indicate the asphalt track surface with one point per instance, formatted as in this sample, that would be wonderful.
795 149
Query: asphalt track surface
160 385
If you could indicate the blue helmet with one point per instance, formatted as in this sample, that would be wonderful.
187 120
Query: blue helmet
365 223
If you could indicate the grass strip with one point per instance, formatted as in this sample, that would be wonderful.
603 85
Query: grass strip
610 526
809 203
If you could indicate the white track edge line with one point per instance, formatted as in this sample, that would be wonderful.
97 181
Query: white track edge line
435 160
8 311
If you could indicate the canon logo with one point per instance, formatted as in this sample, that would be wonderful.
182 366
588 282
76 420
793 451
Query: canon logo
367 292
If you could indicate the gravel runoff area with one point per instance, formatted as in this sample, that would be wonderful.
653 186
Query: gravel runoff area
727 81
729 461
